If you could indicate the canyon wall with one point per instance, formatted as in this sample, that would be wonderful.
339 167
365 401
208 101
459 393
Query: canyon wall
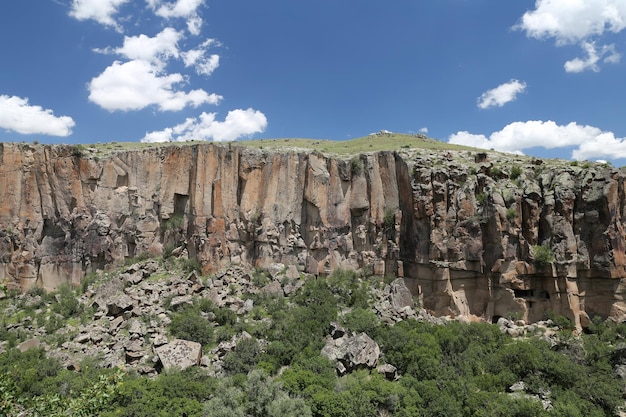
473 235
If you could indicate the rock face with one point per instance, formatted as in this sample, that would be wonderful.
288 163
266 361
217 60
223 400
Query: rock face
464 231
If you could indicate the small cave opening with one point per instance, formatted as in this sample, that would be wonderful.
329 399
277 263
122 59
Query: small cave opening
122 181
180 203
523 293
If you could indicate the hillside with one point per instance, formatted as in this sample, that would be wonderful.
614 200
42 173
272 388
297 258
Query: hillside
308 277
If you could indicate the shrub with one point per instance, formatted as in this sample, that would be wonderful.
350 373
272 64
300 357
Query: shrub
495 172
189 324
516 171
78 151
542 254
481 198
511 213
243 358
168 251
356 165
389 220
66 303
175 222
361 320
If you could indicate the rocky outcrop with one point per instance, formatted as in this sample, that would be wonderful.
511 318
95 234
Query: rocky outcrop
465 231
351 352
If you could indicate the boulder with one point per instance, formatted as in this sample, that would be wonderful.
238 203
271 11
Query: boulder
352 352
118 304
389 371
179 354
400 296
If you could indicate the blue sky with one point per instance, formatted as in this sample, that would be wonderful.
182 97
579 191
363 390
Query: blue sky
544 78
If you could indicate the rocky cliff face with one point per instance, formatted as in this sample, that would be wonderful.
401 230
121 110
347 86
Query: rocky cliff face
474 235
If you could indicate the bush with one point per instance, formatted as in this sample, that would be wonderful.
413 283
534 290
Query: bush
356 165
243 358
516 171
361 320
511 214
189 324
389 220
78 151
66 303
542 255
175 222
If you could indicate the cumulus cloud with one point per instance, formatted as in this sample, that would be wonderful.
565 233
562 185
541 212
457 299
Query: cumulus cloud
576 22
102 11
180 8
501 95
143 80
238 123
591 142
607 53
155 49
137 84
573 21
424 130
19 116
187 9
197 58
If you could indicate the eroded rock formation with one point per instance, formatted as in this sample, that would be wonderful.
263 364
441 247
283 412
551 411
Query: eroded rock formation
463 229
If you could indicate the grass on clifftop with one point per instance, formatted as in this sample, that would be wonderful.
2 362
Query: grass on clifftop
372 143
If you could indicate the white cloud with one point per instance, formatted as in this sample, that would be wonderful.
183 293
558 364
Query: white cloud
102 11
204 65
155 49
238 123
17 115
137 84
501 95
591 142
187 9
593 56
605 145
194 25
577 22
573 21
180 8
424 130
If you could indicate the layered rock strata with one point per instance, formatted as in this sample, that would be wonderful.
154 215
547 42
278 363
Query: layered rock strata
473 235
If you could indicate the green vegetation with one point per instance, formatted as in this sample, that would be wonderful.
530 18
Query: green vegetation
175 222
542 254
356 165
515 173
189 324
456 369
372 143
78 151
511 214
389 220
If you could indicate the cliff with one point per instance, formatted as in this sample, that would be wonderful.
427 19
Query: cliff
473 235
